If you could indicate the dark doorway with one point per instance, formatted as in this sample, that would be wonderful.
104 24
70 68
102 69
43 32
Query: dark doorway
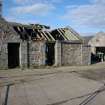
94 58
13 55
100 49
99 56
50 54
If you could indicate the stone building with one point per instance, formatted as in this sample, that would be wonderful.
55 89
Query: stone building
97 44
34 45
73 51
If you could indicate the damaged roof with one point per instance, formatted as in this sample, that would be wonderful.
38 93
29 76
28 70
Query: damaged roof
42 32
30 26
66 34
33 33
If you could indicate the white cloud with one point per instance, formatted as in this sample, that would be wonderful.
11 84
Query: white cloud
35 9
99 1
92 15
21 2
22 20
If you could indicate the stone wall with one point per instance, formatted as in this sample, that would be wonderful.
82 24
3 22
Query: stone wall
66 53
37 53
4 49
57 53
86 55
71 54
3 57
23 55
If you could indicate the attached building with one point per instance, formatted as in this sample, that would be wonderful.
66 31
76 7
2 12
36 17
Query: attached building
97 44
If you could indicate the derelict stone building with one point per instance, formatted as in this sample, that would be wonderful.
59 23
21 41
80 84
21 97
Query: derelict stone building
73 51
34 45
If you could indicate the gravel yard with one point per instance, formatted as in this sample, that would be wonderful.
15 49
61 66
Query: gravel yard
54 86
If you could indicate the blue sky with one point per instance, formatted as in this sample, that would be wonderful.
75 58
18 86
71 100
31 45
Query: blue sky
85 16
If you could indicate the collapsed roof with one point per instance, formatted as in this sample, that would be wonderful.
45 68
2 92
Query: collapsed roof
42 32
66 34
39 32
34 32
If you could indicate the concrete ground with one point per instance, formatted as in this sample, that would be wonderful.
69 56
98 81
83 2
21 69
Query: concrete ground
82 85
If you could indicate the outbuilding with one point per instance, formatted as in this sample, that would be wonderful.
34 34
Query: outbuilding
97 44
32 45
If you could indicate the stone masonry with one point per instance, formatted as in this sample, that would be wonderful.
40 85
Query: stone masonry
71 54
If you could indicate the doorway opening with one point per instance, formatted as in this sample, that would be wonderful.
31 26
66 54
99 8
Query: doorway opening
13 55
50 54
100 51
99 56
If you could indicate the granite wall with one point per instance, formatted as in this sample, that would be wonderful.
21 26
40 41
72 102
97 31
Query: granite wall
32 54
57 53
4 49
3 57
71 54
86 55
37 53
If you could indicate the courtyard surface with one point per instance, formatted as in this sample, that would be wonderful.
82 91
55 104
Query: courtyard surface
82 85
